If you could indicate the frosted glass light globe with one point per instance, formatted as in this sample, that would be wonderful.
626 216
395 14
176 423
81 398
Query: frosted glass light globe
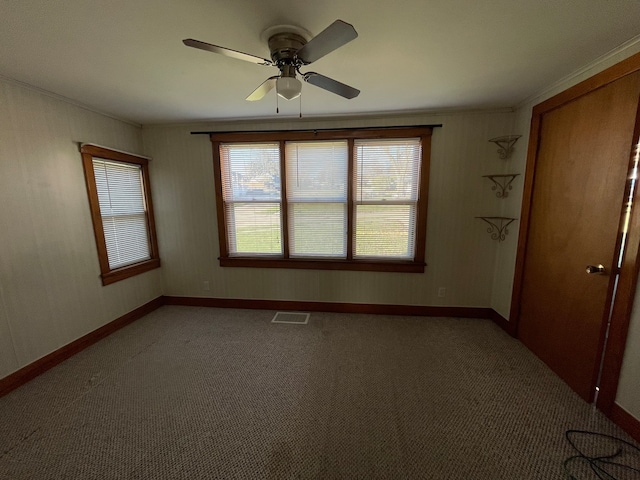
288 87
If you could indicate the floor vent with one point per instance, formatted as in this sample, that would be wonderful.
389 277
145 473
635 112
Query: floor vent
291 317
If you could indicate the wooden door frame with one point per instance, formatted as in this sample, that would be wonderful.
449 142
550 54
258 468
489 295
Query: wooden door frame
627 282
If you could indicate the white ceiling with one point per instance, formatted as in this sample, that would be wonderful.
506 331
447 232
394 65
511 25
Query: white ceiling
126 57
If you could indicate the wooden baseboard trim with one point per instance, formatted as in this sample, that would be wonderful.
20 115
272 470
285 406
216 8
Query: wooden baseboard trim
383 309
503 323
625 421
29 372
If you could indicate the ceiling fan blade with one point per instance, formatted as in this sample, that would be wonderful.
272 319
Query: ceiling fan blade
264 88
331 85
334 36
189 42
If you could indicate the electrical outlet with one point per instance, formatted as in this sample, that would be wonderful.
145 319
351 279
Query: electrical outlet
205 285
441 292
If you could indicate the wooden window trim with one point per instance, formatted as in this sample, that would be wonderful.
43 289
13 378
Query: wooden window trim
350 195
373 265
108 274
284 204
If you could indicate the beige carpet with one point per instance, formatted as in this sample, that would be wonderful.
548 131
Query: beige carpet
197 393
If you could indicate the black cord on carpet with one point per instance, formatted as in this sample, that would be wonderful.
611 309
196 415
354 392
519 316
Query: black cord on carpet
601 465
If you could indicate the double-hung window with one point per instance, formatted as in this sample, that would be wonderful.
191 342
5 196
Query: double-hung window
352 200
121 211
317 198
251 188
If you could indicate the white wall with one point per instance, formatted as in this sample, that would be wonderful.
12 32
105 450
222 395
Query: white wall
50 287
628 395
459 252
510 207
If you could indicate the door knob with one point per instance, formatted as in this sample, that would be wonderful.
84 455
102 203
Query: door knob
595 268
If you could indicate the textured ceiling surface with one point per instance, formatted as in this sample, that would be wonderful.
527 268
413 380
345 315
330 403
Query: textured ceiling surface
126 58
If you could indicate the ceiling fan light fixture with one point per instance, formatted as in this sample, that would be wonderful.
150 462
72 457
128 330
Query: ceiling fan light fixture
288 87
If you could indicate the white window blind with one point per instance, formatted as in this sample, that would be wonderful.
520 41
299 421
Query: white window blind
252 201
386 189
317 198
123 211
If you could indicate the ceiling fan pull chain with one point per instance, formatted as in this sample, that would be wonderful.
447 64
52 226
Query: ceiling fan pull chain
277 105
300 97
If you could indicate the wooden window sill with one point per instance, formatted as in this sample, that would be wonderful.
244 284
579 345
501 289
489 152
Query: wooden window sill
129 271
321 264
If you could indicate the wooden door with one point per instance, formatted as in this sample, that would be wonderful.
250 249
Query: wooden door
581 169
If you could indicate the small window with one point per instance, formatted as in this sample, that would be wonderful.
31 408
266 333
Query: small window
121 211
348 200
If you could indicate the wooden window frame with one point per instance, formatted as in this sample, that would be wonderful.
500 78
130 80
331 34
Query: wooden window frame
417 265
108 274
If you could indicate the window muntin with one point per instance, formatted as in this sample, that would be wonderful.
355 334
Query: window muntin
308 207
121 212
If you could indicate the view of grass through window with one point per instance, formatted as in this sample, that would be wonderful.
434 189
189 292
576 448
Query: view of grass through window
257 229
383 230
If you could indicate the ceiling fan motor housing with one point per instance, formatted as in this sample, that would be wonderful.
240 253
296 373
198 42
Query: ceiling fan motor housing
283 48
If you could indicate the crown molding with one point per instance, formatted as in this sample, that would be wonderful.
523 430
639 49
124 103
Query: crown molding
601 63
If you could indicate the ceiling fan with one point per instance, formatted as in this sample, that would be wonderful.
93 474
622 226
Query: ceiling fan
290 51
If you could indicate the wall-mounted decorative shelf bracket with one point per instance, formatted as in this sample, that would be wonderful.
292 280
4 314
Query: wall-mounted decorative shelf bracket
498 226
502 183
506 144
